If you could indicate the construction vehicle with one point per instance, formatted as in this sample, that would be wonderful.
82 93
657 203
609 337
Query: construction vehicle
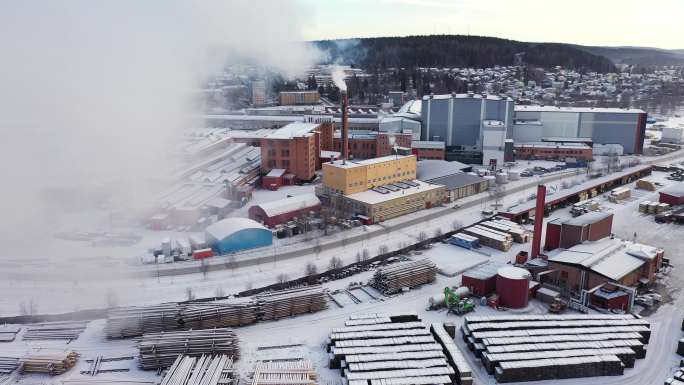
455 304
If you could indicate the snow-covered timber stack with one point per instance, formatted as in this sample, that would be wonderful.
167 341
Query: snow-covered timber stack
49 363
8 364
8 332
392 279
202 370
286 303
68 330
299 372
160 350
134 321
207 315
395 349
518 348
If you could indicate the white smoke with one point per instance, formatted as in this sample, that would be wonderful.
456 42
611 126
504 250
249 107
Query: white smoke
338 75
95 94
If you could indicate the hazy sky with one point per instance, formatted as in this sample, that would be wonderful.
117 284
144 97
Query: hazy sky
654 23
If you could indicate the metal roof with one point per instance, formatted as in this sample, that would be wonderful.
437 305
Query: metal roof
676 190
294 130
588 218
455 181
523 108
290 204
429 169
486 271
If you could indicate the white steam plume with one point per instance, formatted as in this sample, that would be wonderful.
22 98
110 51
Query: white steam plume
94 93
337 74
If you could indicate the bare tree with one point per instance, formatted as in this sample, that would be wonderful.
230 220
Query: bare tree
110 299
317 248
282 278
383 249
422 236
219 292
365 254
358 257
204 268
189 294
231 264
438 233
311 269
335 263
456 224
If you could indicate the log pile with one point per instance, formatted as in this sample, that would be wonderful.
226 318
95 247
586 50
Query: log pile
393 279
67 330
49 363
160 350
134 321
8 364
8 333
208 315
202 370
286 303
284 373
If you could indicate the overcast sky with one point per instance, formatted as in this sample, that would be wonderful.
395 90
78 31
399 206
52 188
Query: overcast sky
653 23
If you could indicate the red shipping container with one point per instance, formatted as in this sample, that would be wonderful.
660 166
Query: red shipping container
202 253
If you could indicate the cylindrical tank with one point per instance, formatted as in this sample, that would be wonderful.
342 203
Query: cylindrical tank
513 287
514 175
462 291
491 180
437 301
501 177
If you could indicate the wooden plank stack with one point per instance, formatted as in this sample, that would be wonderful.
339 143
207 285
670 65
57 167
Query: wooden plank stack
202 370
300 372
67 330
287 303
8 332
8 364
160 350
394 278
136 320
49 363
207 315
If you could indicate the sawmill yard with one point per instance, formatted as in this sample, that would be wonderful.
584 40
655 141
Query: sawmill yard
301 334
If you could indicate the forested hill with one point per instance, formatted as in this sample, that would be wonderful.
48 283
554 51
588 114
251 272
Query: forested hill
458 51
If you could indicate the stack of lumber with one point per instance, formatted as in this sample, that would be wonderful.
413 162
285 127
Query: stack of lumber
67 330
89 381
160 350
286 303
50 363
202 370
404 275
8 364
207 315
299 372
136 320
8 332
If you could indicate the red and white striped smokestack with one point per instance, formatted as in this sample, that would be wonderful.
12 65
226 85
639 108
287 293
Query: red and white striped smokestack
345 126
538 220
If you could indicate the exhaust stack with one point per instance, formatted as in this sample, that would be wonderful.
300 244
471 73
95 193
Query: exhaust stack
345 126
538 219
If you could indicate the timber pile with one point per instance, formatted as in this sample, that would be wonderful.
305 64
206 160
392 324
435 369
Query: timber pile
286 303
203 370
67 330
8 364
136 320
52 364
299 372
8 333
209 315
393 279
160 350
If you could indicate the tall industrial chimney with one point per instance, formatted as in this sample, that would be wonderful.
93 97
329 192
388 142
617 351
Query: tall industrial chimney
345 126
538 220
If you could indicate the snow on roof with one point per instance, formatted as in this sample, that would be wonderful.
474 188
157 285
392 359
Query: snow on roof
464 96
572 145
512 272
374 197
519 108
227 227
430 169
588 218
486 271
294 130
453 182
366 162
428 144
676 190
276 172
290 204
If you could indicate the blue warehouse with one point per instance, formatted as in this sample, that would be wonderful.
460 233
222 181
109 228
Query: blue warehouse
236 234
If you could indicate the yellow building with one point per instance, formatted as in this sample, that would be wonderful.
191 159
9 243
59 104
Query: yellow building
352 177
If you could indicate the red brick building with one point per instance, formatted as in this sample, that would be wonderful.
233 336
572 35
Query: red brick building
425 149
368 145
284 210
673 195
565 233
553 151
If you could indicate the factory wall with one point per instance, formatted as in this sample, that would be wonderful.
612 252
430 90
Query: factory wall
479 287
616 128
361 177
382 211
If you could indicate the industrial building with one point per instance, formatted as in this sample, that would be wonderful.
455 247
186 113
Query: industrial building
461 185
428 150
294 148
290 98
236 234
566 232
481 280
371 144
672 195
593 263
349 177
626 127
560 151
470 125
258 93
430 169
284 210
511 284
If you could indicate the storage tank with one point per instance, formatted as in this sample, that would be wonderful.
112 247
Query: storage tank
491 180
501 177
514 175
513 287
